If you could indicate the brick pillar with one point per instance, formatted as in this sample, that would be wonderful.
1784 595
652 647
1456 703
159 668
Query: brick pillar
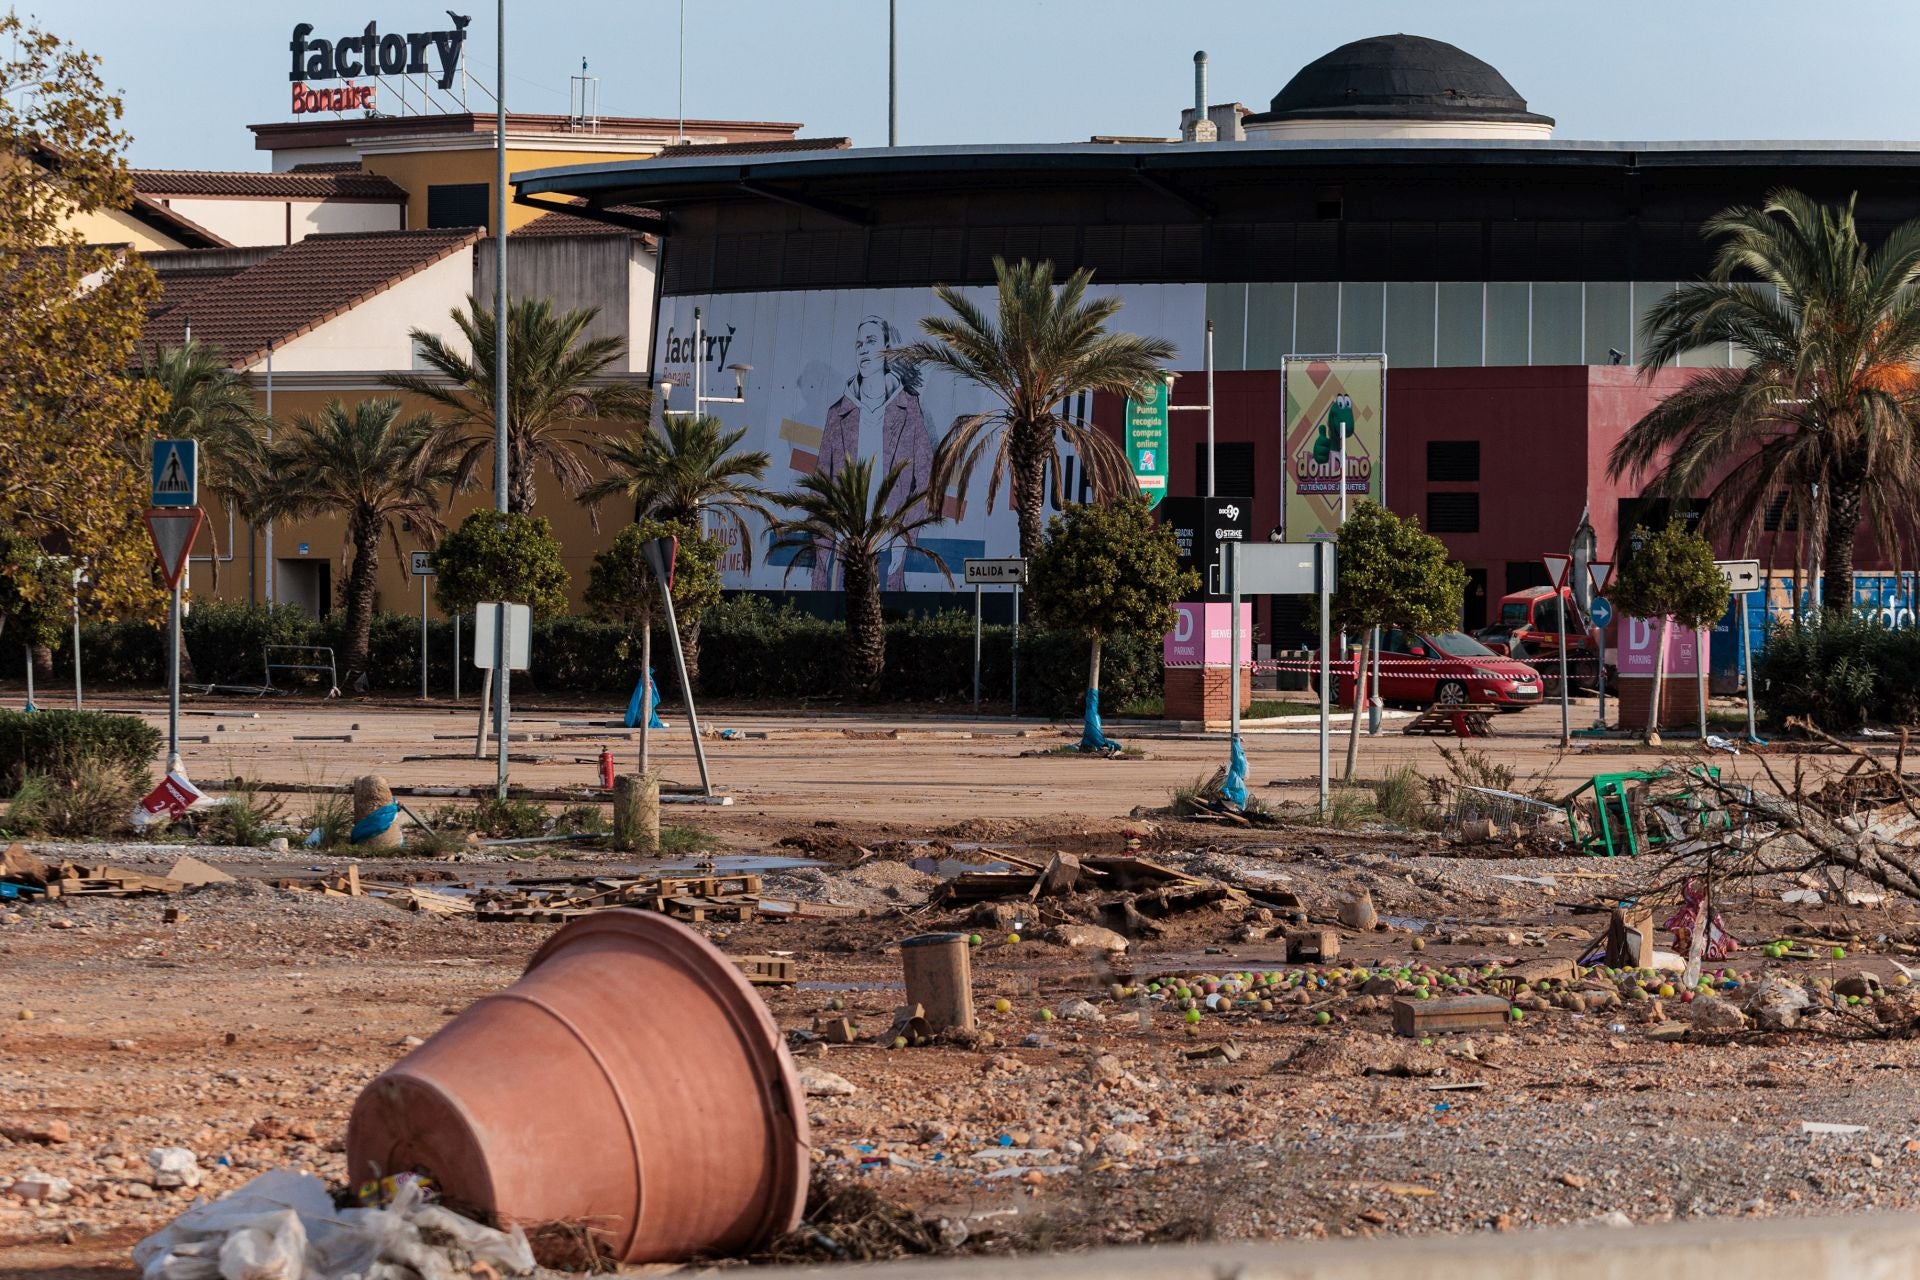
1679 704
1201 693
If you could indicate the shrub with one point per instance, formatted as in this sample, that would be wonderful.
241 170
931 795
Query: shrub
332 817
509 819
246 817
1401 798
1839 672
227 642
64 745
93 797
753 650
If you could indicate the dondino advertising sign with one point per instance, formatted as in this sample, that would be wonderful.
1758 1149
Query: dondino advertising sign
369 52
1330 399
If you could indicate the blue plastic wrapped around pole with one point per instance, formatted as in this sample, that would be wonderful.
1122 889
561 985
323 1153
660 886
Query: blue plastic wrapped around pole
374 823
1091 739
1234 787
653 710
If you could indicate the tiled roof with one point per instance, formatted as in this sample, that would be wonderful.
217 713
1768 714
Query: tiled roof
187 273
568 224
174 226
326 166
754 147
342 183
299 288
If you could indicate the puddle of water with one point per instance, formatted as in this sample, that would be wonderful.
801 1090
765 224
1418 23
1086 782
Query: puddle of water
948 868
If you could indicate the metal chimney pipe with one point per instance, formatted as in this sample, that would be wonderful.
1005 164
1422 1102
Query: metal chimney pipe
1199 86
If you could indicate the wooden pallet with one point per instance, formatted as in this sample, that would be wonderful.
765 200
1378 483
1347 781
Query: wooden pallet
531 915
1456 719
767 971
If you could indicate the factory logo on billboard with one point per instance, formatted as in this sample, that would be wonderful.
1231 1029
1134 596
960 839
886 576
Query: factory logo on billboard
368 53
680 346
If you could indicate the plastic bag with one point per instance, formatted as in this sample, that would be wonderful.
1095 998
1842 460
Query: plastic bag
283 1226
190 1247
274 1247
1234 786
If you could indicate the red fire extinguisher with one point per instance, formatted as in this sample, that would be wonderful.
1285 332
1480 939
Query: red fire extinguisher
606 769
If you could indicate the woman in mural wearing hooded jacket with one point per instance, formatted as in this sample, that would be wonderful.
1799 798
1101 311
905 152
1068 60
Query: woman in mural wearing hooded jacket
878 417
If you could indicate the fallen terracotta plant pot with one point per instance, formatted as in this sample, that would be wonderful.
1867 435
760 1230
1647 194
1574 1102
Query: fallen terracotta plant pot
630 1083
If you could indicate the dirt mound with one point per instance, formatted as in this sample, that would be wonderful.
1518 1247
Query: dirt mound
1357 1053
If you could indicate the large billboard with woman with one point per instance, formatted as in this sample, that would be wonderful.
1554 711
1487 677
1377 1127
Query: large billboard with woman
823 389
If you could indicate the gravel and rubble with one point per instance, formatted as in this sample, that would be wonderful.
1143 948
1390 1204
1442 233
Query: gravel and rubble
139 1058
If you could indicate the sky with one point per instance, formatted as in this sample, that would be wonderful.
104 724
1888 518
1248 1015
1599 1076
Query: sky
195 73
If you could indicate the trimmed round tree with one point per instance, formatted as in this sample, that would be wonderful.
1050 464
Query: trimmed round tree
497 555
621 590
1671 576
1391 573
1107 568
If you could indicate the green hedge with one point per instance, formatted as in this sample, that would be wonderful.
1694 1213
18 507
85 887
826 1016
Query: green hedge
1840 673
56 743
750 650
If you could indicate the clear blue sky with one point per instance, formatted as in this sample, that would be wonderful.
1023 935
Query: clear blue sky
196 72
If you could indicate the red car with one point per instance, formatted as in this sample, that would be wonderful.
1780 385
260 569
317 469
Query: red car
1451 666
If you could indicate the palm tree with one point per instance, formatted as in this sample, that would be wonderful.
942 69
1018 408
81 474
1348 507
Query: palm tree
838 511
684 470
1823 413
1046 346
207 401
378 470
553 374
679 473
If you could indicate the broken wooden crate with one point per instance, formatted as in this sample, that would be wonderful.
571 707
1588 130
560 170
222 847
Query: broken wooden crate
1447 1014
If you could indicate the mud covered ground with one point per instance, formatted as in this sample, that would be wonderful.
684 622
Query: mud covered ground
243 1032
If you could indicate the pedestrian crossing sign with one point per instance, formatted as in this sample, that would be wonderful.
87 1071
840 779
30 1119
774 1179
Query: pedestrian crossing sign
176 473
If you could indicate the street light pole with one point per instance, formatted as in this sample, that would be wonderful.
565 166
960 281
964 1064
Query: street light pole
500 406
893 73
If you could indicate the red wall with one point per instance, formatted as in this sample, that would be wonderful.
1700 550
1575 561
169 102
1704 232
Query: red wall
1545 433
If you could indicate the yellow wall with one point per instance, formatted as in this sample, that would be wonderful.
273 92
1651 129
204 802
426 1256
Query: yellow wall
116 226
572 526
418 170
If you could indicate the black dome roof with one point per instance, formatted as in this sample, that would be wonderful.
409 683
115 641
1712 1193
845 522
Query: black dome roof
1399 77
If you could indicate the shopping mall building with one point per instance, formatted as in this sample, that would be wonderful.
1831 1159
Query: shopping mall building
1398 196
1397 199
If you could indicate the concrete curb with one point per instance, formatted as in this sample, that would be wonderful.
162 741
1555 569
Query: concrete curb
1867 1247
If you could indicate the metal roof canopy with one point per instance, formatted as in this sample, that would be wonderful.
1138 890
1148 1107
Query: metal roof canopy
831 182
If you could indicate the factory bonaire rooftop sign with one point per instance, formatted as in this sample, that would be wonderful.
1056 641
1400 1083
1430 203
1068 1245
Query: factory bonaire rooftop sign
368 52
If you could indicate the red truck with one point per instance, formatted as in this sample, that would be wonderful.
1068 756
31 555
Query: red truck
1528 630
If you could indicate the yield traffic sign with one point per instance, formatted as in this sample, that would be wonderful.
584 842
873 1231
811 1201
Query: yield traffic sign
173 530
1600 572
1559 568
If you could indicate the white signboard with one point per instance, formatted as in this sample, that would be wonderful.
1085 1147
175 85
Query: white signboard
421 563
822 390
1740 575
989 572
519 635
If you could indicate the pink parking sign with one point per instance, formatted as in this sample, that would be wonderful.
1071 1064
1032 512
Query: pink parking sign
1640 640
1200 636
